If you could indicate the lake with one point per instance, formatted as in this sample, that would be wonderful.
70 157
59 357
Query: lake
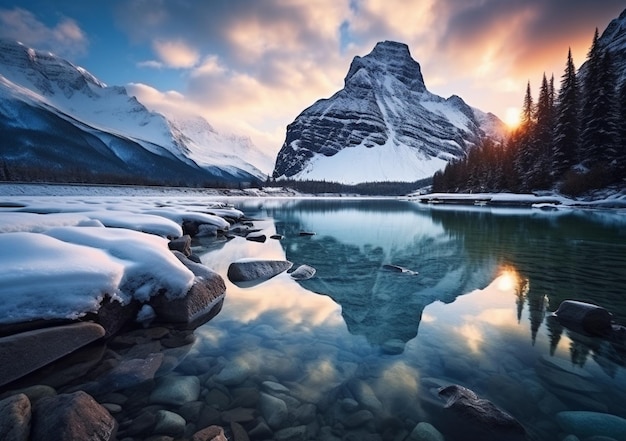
407 298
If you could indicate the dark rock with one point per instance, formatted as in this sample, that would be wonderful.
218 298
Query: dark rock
129 372
211 433
176 390
297 433
256 238
181 244
277 236
586 424
169 423
202 302
70 417
479 417
307 233
239 433
113 316
303 272
15 414
253 270
399 269
194 258
23 353
587 317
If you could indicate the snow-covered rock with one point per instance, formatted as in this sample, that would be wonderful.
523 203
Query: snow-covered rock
384 125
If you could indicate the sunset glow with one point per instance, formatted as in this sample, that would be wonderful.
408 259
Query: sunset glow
512 117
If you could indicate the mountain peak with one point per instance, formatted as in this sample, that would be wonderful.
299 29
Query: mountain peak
387 58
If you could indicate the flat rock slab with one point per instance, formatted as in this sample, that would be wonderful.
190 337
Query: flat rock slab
21 354
255 270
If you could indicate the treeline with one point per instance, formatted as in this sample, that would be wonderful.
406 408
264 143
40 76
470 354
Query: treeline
364 189
77 175
573 141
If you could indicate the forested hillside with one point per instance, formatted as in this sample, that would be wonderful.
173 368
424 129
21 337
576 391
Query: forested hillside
572 141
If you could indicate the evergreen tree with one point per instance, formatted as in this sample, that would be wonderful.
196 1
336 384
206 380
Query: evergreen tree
621 146
538 176
567 123
608 112
525 145
591 145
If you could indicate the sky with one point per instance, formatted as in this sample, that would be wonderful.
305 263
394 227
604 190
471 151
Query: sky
251 66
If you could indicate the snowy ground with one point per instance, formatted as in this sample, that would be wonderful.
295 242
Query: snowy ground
61 254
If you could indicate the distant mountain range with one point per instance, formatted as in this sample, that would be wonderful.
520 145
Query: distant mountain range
56 119
384 125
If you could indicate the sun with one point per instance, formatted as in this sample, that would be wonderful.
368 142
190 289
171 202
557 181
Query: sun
512 117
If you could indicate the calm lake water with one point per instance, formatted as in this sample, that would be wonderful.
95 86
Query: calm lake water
358 352
475 312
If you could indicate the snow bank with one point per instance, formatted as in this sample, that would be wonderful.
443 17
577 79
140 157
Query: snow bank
43 277
61 256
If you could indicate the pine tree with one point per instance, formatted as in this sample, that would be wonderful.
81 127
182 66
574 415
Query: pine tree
525 148
591 148
567 123
538 176
621 146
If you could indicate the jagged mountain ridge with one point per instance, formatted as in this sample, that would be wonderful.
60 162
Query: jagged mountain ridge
384 125
59 116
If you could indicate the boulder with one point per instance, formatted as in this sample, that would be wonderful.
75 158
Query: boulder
15 414
303 272
181 244
592 319
202 302
69 417
21 354
479 417
128 373
253 270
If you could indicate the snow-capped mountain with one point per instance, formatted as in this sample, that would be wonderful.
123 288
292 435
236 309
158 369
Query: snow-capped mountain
384 125
58 116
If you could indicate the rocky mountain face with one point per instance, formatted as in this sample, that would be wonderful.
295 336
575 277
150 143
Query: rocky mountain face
614 39
57 118
384 125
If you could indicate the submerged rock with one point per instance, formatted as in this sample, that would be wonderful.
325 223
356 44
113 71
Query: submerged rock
21 354
586 424
479 417
69 417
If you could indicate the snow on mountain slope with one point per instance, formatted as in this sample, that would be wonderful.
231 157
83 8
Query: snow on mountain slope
384 125
41 88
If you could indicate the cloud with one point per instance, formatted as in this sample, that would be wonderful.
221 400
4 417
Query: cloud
65 39
176 53
254 66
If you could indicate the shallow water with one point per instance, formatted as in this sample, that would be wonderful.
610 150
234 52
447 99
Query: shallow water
359 351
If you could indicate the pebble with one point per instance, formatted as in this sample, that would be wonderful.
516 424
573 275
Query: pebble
585 424
425 432
176 390
274 410
169 423
233 374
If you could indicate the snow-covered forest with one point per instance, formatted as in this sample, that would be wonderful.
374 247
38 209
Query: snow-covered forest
572 141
